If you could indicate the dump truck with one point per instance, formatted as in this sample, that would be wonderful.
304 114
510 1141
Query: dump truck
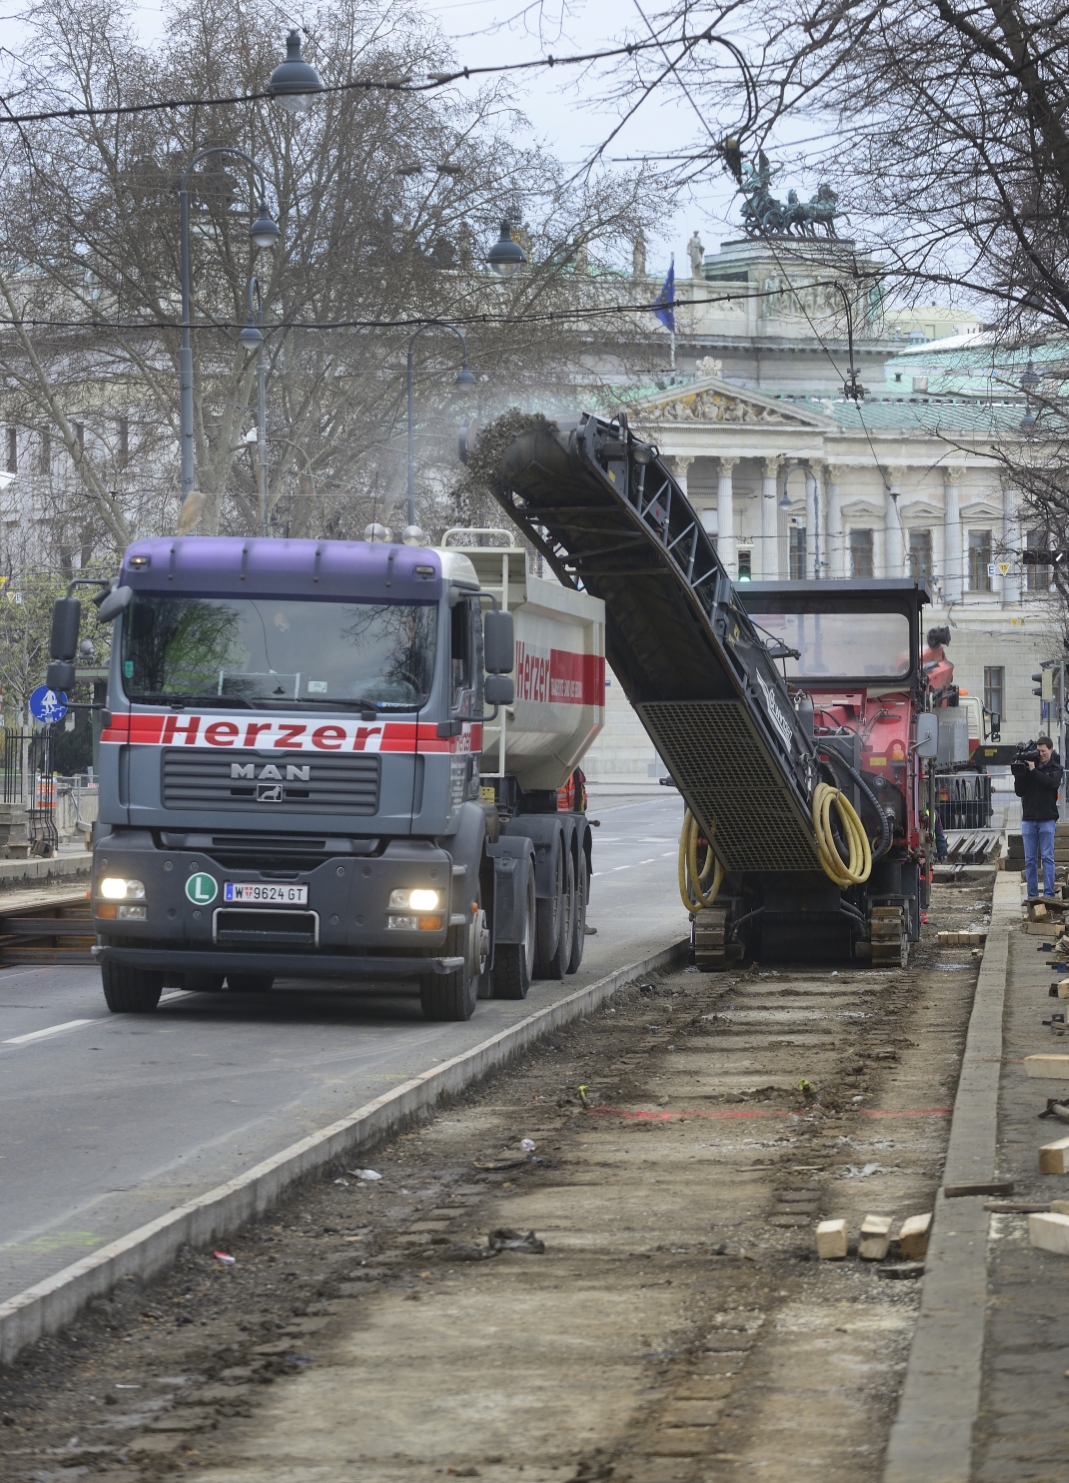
315 763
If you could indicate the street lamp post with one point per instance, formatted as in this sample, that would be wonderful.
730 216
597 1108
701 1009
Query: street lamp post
465 380
264 233
252 337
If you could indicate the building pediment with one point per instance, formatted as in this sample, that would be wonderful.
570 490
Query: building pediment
918 509
981 509
710 401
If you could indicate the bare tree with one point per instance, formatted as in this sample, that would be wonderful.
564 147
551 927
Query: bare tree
387 199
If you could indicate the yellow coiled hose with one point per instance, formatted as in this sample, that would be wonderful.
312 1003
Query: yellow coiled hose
858 867
691 879
852 872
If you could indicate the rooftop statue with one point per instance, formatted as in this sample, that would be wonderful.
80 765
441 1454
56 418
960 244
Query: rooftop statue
765 216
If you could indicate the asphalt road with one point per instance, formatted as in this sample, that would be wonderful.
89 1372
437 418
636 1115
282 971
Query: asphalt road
107 1121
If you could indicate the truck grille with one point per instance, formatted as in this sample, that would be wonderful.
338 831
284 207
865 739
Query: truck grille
235 781
263 928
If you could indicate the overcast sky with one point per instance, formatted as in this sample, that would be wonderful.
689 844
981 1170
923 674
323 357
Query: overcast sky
567 118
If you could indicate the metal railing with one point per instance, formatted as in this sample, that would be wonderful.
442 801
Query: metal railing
963 800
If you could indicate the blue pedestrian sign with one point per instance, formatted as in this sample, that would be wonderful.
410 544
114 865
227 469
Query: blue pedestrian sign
48 706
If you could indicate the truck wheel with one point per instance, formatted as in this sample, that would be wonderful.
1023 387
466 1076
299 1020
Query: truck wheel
249 983
453 996
130 990
514 961
582 894
548 921
557 966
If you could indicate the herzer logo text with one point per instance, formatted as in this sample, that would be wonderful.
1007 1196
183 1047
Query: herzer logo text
285 734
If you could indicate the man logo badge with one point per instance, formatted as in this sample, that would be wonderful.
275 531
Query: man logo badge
294 774
268 792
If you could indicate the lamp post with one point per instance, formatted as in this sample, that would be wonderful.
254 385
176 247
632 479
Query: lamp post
264 233
294 82
252 337
506 256
466 381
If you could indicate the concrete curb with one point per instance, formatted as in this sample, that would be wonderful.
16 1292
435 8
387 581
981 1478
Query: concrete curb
14 873
46 1307
931 1439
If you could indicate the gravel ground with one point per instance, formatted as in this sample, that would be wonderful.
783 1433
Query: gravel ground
676 1326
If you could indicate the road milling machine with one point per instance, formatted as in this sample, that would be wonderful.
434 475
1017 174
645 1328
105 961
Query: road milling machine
790 715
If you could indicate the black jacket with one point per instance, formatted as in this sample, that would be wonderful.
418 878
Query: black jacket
1038 789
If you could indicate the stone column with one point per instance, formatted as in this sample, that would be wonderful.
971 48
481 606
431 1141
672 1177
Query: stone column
1011 539
894 553
725 516
836 551
770 543
679 469
952 548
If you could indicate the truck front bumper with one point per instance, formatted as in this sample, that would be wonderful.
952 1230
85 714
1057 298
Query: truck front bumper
171 961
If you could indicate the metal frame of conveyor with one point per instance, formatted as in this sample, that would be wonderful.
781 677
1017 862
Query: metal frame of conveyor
608 516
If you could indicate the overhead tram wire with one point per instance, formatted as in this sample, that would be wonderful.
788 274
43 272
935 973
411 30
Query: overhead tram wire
434 81
544 317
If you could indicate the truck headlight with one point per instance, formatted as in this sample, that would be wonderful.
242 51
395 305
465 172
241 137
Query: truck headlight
418 900
115 888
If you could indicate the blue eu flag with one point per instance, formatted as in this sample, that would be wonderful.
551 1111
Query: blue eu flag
664 305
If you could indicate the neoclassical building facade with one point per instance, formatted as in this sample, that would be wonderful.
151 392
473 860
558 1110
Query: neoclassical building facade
902 483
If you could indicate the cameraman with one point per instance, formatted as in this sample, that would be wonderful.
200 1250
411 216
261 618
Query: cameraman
1037 776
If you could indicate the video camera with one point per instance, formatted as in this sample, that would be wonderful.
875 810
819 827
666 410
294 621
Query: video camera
1026 752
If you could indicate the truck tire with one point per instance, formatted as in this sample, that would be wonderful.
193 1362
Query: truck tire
557 966
548 920
453 996
249 983
130 990
514 961
582 895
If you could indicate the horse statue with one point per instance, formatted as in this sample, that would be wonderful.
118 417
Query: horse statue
765 216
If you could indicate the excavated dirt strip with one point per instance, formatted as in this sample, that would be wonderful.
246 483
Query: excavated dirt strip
676 1326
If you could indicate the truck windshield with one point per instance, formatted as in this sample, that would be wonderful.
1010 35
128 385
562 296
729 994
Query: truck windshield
841 645
267 652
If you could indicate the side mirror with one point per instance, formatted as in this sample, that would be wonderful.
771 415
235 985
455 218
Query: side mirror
66 621
499 690
60 676
927 735
499 644
995 722
114 604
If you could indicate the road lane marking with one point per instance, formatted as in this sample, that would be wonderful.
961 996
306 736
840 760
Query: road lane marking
41 1034
650 861
621 867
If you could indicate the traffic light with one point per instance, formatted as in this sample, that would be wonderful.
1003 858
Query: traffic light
1046 684
1041 556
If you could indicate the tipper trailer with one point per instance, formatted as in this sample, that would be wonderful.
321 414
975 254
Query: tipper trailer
314 763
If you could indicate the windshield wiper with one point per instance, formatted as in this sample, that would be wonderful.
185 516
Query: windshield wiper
179 702
363 705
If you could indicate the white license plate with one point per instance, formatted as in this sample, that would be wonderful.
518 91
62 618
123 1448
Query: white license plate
256 894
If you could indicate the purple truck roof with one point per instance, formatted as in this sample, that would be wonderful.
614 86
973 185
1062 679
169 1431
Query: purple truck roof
230 565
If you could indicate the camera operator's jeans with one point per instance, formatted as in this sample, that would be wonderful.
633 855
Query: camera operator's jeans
1038 840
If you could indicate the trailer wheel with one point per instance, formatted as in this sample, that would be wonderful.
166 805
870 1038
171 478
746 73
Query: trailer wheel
582 895
550 911
557 966
130 990
514 961
249 983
